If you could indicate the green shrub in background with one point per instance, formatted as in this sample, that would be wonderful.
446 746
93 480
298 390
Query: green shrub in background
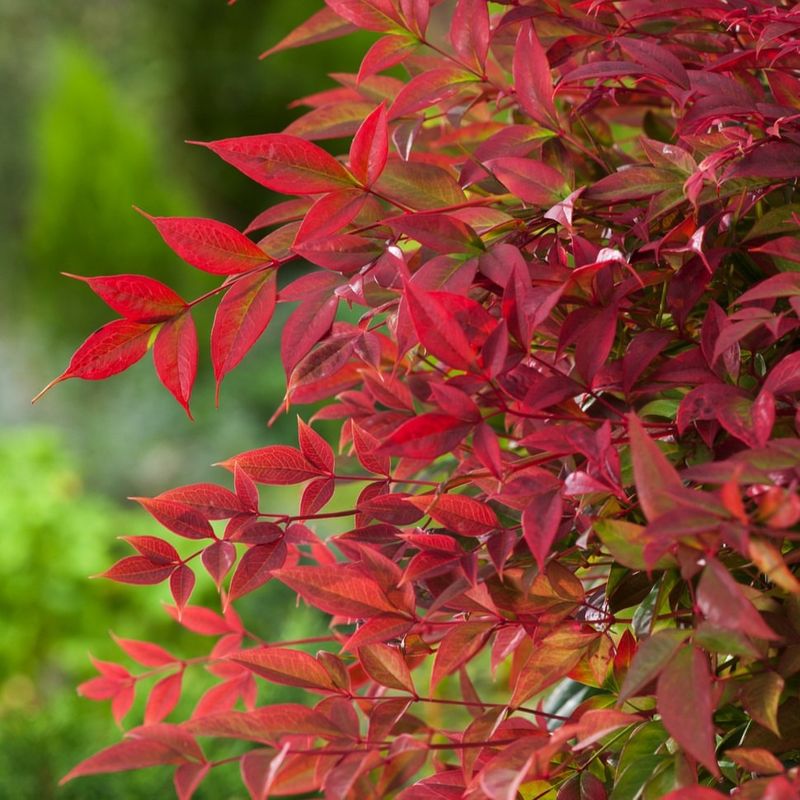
54 535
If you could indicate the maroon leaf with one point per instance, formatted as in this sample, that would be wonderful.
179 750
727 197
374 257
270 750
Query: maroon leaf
540 522
655 477
684 698
316 450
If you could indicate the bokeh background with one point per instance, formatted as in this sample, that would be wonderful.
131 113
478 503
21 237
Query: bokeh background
96 100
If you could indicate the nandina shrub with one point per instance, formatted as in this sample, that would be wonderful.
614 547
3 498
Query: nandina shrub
569 401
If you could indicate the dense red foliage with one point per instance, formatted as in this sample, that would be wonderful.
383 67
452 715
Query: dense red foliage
573 394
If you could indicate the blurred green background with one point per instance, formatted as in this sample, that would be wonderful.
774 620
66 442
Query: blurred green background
97 99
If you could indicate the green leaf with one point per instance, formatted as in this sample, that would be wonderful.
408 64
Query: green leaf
651 657
626 542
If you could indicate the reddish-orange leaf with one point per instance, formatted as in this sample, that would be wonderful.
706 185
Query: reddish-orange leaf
341 590
286 667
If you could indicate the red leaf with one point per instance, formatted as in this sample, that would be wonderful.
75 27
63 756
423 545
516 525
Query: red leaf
187 779
439 331
267 724
218 558
533 181
426 436
285 667
532 79
241 318
340 590
209 245
370 147
201 620
330 214
552 658
386 666
786 284
459 513
371 15
256 567
175 357
419 186
283 163
442 233
156 550
130 754
136 297
722 602
469 32
138 570
316 450
316 495
208 499
276 464
784 377
346 252
146 653
181 584
685 703
164 696
540 522
109 350
386 52
177 517
431 88
287 211
305 326
367 449
459 645
655 477
320 27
